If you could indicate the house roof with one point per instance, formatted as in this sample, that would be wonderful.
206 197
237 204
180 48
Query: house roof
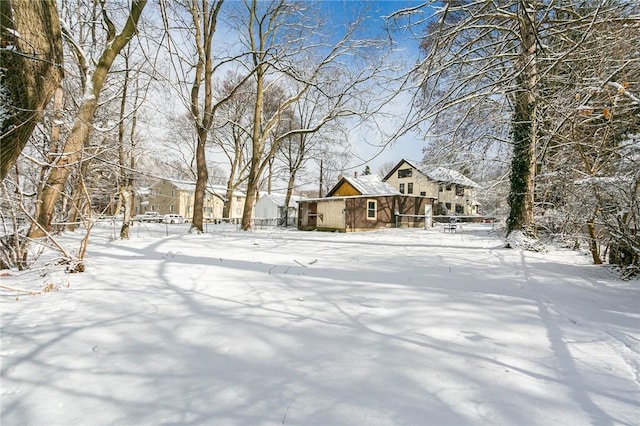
218 190
367 185
279 199
438 174
441 174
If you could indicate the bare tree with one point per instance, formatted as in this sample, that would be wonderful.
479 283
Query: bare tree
94 75
499 60
204 16
232 134
296 60
198 75
590 119
31 58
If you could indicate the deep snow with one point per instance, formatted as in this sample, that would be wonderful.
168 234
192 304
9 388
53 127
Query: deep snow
411 327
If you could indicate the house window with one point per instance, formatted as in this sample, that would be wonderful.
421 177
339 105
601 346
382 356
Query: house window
171 208
449 187
459 209
423 194
447 206
410 188
371 209
404 173
173 194
459 191
440 188
402 188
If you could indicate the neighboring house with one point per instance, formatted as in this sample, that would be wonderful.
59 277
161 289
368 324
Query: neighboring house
454 193
167 196
361 204
237 201
270 209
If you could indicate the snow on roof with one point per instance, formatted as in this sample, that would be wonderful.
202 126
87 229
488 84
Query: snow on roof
441 174
185 186
372 185
279 199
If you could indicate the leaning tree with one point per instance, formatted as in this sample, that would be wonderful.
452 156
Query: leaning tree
94 75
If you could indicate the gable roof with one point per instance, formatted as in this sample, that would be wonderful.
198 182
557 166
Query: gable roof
438 174
279 199
367 185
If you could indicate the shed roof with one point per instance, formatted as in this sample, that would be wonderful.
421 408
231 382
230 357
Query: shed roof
370 185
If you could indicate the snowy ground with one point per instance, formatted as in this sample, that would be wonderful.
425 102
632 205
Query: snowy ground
397 327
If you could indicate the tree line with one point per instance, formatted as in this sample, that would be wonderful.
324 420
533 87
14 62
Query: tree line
546 93
542 93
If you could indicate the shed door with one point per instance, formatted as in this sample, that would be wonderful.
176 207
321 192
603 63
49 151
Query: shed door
313 214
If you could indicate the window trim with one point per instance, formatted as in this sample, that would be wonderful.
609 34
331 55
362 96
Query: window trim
375 210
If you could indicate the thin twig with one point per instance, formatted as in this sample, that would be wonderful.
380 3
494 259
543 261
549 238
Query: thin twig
20 290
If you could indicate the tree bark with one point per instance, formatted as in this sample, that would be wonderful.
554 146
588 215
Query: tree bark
31 55
523 166
201 182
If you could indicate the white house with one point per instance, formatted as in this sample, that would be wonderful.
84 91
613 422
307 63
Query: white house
454 193
270 209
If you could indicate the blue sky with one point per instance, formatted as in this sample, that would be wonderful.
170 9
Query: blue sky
365 146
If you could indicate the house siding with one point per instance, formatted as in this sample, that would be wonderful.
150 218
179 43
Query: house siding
349 214
422 184
166 197
345 189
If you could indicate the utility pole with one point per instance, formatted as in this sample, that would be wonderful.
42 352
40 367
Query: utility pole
320 189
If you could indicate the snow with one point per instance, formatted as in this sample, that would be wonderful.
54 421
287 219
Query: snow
5 99
398 326
279 199
371 185
441 174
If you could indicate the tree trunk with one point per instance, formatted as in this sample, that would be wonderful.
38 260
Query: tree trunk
79 136
226 208
201 182
252 188
593 240
523 165
31 58
256 153
287 198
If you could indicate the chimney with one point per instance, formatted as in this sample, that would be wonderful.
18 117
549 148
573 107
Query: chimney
355 174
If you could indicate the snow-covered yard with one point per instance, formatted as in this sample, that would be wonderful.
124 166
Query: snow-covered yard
396 327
